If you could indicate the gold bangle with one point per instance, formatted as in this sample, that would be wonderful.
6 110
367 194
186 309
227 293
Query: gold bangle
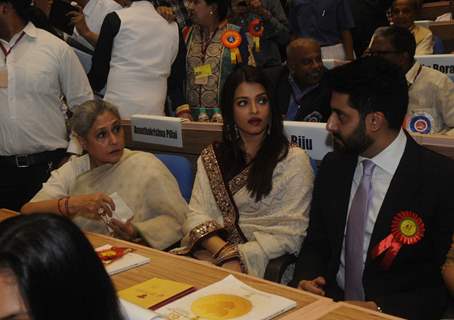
229 253
59 208
220 250
66 206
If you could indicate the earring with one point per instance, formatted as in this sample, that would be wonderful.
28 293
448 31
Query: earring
268 129
237 132
211 13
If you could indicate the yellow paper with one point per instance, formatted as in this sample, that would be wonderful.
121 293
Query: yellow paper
237 54
153 291
257 44
203 71
233 56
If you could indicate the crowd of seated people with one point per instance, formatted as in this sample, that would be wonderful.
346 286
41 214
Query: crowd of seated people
255 197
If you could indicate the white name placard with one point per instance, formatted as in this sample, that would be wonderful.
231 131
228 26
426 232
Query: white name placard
332 63
310 136
424 23
441 62
160 130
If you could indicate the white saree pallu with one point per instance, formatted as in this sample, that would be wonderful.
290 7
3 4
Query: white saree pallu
262 230
144 184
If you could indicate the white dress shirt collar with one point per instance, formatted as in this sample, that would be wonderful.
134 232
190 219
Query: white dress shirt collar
29 30
390 157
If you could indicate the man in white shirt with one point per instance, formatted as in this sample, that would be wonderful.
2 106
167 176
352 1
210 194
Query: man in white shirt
403 15
88 20
133 59
382 215
431 106
37 70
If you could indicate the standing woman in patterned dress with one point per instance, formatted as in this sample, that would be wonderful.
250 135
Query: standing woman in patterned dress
214 48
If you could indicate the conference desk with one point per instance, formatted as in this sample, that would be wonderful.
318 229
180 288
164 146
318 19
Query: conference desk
198 135
200 274
430 11
444 30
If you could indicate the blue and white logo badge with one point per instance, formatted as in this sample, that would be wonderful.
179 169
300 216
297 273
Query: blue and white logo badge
313 117
421 122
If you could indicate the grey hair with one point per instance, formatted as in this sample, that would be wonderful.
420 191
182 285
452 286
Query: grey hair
86 114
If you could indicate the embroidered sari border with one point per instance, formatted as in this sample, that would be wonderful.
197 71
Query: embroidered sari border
222 197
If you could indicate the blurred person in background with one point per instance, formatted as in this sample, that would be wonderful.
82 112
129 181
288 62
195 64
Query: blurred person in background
266 26
403 15
299 89
214 48
327 21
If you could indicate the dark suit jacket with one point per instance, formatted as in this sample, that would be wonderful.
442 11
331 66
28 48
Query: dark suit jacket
412 287
317 100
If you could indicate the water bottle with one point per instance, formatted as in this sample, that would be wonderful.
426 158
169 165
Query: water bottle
203 115
217 116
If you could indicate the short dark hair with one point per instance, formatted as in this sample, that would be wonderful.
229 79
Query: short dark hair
28 12
222 7
57 271
401 39
373 85
273 149
415 5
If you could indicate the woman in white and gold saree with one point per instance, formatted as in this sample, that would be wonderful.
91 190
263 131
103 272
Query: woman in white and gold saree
252 192
110 178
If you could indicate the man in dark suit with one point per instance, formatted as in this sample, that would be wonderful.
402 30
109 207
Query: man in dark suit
299 89
382 213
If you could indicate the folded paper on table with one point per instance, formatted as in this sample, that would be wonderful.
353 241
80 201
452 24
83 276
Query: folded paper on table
227 299
126 262
131 311
155 293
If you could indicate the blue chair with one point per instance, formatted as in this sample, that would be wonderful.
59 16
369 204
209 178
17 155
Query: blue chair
439 48
181 168
314 165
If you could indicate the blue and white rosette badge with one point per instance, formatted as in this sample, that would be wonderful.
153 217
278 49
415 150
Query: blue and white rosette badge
313 117
421 122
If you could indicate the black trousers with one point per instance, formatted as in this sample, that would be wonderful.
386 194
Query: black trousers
19 185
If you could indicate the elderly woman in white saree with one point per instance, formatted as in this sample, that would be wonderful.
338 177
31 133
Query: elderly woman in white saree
252 192
111 179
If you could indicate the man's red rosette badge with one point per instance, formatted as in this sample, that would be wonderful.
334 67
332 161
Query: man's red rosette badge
407 228
256 29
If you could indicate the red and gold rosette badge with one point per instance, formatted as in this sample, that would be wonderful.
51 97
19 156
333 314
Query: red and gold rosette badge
231 39
407 228
108 256
255 29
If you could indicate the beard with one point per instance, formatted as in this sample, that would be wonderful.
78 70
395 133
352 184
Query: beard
356 143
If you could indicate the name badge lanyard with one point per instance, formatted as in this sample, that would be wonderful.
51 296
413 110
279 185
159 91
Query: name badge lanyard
205 45
416 77
7 52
